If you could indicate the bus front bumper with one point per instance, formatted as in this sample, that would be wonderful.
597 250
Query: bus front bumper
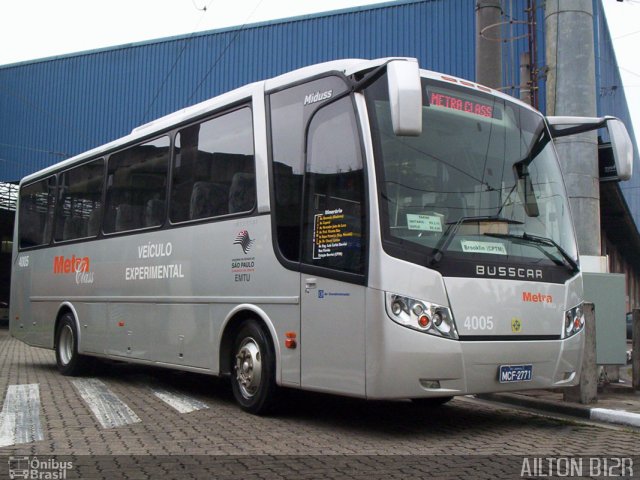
404 363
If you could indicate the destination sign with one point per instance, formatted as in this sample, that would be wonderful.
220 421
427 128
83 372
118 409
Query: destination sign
462 104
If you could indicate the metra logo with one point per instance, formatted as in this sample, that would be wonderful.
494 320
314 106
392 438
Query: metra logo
536 297
317 97
244 241
75 265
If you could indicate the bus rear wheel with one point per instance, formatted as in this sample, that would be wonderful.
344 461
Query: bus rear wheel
68 361
253 369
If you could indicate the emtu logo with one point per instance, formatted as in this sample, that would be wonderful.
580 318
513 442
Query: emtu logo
244 241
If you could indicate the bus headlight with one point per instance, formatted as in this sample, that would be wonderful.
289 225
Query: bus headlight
420 315
573 321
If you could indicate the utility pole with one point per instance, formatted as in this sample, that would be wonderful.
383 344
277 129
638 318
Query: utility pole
571 91
488 43
526 85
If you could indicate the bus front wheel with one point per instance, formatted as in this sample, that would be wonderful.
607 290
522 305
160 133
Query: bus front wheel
253 369
68 360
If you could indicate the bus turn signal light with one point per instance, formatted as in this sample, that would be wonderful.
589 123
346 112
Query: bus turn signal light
290 340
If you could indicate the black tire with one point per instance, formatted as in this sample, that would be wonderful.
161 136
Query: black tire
432 402
253 378
68 360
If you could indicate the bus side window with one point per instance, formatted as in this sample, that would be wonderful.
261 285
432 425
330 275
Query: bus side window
290 111
80 201
214 168
136 187
35 220
334 191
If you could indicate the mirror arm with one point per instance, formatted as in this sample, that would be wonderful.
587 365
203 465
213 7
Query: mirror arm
369 78
577 125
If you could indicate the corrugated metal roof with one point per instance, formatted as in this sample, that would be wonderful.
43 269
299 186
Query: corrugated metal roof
57 107
611 100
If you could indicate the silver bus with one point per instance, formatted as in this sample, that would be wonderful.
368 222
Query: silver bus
363 228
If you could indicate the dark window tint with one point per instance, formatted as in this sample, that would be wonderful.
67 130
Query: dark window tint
79 212
136 187
214 171
290 112
36 213
334 191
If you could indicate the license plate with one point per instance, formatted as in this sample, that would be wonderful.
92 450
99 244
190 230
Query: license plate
515 373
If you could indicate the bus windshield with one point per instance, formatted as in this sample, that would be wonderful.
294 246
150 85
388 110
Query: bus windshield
481 180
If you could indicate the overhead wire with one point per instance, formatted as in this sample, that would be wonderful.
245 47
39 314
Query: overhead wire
32 149
175 63
627 35
233 39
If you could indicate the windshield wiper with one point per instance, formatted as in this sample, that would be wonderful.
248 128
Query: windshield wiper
536 240
449 234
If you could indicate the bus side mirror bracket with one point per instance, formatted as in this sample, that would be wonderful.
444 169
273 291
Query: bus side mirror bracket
405 97
620 141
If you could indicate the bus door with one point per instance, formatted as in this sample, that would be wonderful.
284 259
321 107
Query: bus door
318 209
333 254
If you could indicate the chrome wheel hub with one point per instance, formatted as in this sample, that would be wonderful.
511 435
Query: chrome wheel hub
248 367
66 345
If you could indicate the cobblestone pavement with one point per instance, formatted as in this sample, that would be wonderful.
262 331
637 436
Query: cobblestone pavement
195 430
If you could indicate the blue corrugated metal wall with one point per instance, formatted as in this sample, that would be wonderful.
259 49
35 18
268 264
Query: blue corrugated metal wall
612 101
515 34
59 107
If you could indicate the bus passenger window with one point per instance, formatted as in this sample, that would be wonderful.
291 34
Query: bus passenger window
290 114
214 170
80 202
136 187
333 229
36 213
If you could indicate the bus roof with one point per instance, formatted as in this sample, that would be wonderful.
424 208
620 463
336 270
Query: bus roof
199 109
346 66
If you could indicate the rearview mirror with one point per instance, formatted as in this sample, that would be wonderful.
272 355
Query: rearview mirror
525 190
405 97
622 148
620 141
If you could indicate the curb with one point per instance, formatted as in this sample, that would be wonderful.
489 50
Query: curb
620 417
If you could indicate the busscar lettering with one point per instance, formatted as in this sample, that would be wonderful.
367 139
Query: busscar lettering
508 272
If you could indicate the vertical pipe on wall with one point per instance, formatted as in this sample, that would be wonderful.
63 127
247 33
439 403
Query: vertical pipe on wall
571 91
488 43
